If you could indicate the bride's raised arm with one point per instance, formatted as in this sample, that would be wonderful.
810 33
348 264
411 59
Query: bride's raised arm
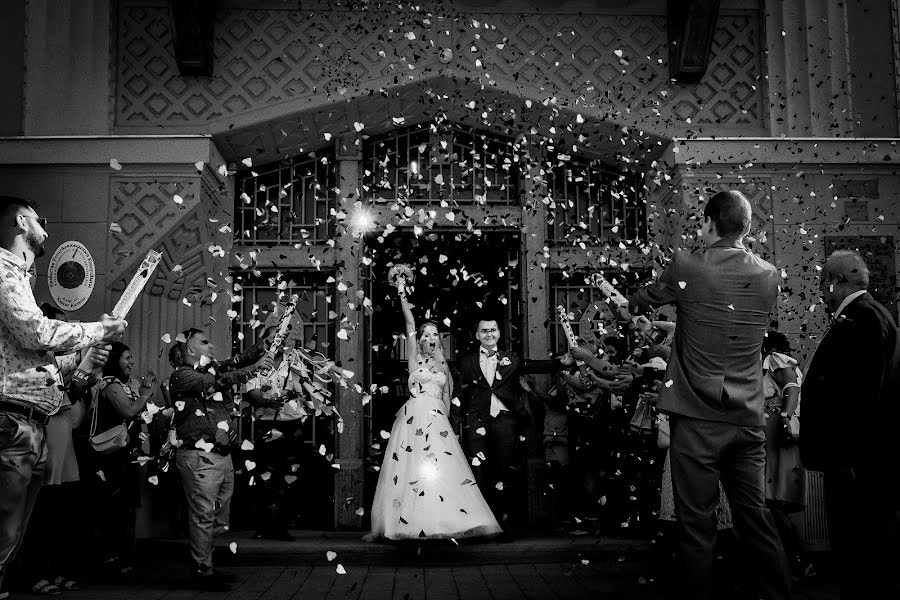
412 346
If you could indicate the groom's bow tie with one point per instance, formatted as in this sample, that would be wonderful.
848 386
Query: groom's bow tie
488 353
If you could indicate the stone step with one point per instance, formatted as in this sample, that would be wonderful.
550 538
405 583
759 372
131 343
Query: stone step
311 548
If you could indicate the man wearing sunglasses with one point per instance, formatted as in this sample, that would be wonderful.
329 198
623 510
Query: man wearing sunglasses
36 355
202 390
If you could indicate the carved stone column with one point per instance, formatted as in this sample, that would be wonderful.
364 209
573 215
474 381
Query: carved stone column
808 68
67 67
536 311
348 489
534 234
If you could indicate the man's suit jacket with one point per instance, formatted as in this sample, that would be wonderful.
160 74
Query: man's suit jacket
724 296
849 396
475 392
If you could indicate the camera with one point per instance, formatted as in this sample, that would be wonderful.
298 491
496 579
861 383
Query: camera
657 336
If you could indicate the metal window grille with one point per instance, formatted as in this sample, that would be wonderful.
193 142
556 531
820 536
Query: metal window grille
260 289
592 203
288 202
432 162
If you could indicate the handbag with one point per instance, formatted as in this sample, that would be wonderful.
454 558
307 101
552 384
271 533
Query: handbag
642 420
663 433
109 441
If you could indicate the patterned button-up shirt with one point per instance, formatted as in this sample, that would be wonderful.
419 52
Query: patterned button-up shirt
30 375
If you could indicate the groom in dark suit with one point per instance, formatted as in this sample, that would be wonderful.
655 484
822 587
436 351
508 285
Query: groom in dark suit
851 405
491 411
714 394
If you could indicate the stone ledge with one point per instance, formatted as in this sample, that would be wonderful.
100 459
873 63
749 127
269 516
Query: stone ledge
129 150
763 151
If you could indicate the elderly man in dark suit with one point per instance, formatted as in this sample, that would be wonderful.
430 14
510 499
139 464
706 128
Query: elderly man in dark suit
713 393
851 405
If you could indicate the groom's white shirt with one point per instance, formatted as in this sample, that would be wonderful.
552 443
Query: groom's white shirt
488 363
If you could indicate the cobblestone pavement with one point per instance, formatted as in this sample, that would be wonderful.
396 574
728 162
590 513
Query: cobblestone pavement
562 567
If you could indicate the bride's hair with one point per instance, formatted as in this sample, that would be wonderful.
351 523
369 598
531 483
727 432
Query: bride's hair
439 359
424 325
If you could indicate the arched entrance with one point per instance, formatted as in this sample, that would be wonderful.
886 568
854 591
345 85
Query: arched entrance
489 208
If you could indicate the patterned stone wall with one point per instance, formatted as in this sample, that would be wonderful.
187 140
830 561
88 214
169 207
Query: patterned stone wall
610 65
187 233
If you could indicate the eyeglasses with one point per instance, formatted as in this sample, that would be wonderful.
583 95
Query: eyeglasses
42 221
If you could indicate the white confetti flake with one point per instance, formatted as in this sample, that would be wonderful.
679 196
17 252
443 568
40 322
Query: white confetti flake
115 164
233 547
331 555
340 570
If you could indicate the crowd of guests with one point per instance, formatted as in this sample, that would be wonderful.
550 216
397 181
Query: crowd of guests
82 436
672 429
606 445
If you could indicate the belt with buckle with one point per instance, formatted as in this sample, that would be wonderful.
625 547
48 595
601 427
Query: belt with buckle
32 414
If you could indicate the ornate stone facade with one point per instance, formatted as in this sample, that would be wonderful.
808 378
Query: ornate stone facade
605 64
178 215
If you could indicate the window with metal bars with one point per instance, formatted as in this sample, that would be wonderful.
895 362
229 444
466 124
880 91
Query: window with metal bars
431 162
287 203
259 289
591 203
574 292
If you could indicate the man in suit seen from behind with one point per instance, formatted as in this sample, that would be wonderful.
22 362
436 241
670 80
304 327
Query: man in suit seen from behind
713 394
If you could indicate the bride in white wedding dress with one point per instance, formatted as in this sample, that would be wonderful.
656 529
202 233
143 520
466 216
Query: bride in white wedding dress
426 489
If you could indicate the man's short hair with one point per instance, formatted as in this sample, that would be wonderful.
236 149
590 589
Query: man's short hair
10 205
847 266
730 213
178 351
486 318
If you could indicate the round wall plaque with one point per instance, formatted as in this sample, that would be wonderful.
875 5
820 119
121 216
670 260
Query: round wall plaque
71 276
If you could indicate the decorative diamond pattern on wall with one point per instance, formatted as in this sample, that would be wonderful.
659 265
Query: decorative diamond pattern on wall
150 218
267 57
261 58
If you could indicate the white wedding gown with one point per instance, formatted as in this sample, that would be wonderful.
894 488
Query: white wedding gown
425 487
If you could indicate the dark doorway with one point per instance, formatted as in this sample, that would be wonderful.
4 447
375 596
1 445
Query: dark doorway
459 276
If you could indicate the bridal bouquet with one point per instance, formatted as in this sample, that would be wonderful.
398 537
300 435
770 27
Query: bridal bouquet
400 276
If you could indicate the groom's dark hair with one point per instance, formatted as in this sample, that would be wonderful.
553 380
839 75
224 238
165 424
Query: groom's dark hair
485 318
